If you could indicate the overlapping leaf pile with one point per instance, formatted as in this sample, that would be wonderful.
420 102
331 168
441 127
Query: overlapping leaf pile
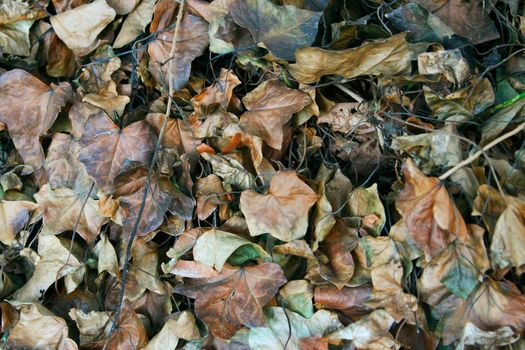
257 174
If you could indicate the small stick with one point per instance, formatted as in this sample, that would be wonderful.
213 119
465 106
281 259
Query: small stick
476 155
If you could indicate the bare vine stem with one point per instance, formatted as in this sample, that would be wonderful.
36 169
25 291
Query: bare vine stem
150 172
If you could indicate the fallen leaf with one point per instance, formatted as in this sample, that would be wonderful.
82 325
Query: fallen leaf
450 63
78 28
281 29
235 297
349 301
14 38
508 239
270 106
231 171
287 329
192 40
123 7
64 210
370 332
60 59
383 57
210 194
53 262
218 94
287 194
346 117
91 325
29 108
133 143
297 296
14 215
181 326
366 204
52 330
135 23
14 11
429 213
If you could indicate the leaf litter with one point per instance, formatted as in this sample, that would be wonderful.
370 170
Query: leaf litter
262 174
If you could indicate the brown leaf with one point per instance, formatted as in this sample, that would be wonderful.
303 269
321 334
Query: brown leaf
210 194
270 106
63 208
105 148
218 94
235 297
78 28
287 194
350 301
60 59
192 40
429 213
347 117
382 57
29 108
14 215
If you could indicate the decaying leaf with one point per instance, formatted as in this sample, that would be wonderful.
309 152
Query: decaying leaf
270 106
383 57
235 297
281 29
29 108
14 216
287 194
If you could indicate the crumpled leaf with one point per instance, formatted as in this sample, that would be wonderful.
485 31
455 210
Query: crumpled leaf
509 239
286 328
346 117
105 148
135 23
490 307
192 40
370 332
14 38
235 297
78 28
429 213
91 325
29 108
63 208
53 262
231 171
467 19
450 63
218 94
180 326
214 247
14 215
440 148
382 57
281 29
270 106
473 336
14 10
287 194
366 204
52 330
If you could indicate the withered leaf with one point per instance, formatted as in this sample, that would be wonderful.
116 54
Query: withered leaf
135 23
218 94
63 208
287 195
282 29
14 215
78 28
29 108
192 40
270 106
105 148
383 57
235 297
429 213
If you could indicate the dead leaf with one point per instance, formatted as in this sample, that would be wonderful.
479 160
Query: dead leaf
450 63
281 29
287 194
63 208
429 213
14 38
78 28
135 23
210 194
383 57
133 143
29 108
218 94
347 117
180 326
235 297
192 40
14 215
270 106
231 171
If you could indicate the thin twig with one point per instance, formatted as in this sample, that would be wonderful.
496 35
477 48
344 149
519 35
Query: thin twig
150 172
476 155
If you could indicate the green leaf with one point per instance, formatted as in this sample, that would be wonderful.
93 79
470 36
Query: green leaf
461 277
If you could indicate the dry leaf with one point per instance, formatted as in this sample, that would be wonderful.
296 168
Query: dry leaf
235 297
78 28
383 57
287 194
270 106
29 108
346 117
